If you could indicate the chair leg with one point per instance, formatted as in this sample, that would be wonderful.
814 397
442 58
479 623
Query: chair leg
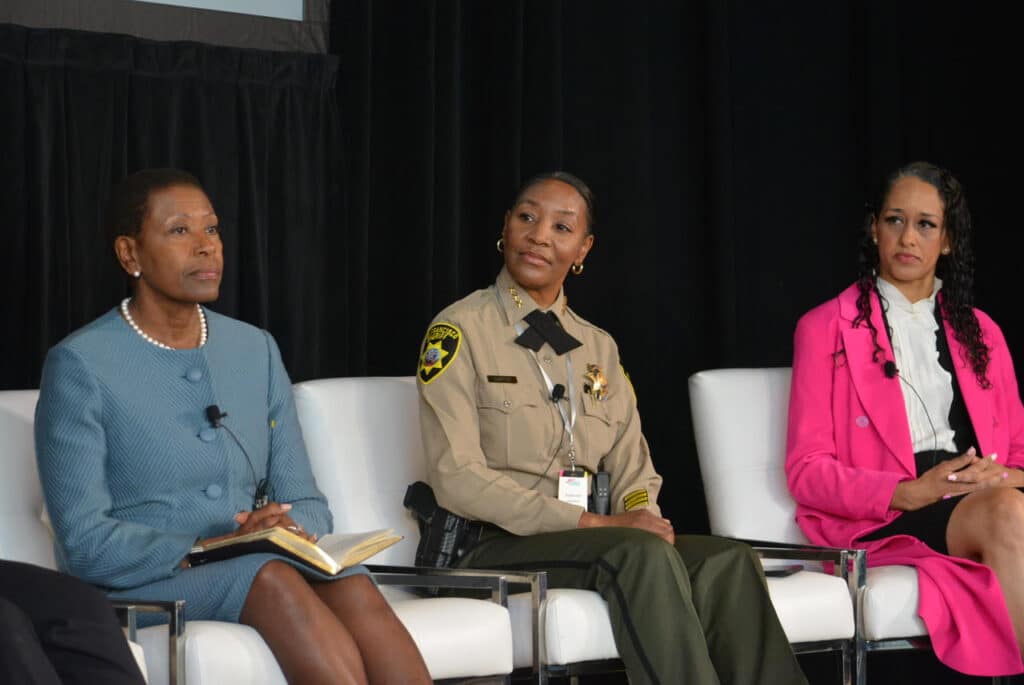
860 663
846 663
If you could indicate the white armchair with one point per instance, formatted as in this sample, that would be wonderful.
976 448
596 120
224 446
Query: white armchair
371 425
739 421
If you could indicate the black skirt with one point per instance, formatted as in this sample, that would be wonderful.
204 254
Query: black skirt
927 524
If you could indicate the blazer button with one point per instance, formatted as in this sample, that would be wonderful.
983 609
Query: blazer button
214 491
194 374
208 434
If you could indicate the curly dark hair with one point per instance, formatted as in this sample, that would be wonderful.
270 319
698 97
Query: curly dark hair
955 269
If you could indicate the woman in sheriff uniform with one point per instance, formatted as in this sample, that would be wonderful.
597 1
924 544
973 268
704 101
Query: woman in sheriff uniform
520 397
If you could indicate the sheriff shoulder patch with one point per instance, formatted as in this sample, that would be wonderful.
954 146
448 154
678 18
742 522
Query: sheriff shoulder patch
440 347
637 498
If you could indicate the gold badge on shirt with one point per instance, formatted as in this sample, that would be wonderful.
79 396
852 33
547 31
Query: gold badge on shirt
440 347
596 384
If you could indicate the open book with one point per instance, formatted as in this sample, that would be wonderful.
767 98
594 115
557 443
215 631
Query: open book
330 554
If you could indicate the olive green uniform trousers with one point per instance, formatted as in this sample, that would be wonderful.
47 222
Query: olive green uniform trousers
698 613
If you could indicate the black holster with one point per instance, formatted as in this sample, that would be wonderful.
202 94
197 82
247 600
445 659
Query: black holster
444 537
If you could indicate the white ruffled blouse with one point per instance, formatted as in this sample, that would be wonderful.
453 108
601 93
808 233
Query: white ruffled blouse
927 387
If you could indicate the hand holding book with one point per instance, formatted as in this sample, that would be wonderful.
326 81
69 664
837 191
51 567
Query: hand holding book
273 514
270 529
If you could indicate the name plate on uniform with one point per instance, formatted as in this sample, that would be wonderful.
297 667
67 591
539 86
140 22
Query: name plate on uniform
573 487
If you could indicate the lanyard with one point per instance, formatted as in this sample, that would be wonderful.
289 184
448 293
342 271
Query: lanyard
568 417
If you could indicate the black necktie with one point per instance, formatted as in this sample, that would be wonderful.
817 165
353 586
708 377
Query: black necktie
545 328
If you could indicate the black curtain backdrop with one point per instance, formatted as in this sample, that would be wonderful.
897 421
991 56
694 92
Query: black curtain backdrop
731 145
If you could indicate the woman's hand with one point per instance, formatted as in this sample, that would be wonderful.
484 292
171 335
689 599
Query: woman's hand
951 478
272 515
641 518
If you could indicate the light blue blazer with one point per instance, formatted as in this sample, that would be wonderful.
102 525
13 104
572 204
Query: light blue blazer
133 472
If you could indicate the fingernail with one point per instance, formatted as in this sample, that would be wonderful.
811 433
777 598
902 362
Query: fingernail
286 507
971 451
994 456
946 496
951 476
1006 474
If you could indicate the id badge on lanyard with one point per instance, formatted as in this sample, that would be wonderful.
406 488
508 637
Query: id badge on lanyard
573 483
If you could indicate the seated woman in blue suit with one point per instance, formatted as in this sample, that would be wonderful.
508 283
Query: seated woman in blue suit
135 468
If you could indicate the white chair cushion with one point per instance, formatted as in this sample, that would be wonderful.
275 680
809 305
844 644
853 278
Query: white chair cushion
739 423
363 440
140 658
577 625
889 603
813 606
459 636
215 653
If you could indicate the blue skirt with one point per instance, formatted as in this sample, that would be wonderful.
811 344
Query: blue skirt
216 591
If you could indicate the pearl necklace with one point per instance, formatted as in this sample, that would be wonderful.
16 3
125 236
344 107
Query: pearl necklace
153 341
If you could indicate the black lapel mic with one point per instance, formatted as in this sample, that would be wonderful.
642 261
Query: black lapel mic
890 370
261 497
557 392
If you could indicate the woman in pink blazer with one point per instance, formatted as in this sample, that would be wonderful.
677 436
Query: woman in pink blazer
906 430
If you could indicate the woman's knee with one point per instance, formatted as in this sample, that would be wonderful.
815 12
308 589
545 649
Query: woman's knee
986 522
354 593
1004 514
278 579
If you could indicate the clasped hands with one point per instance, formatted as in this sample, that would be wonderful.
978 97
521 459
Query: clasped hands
954 478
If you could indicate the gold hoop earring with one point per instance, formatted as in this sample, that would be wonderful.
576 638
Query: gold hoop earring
577 269
500 245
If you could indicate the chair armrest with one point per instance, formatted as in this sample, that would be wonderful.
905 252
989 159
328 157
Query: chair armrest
469 578
127 611
844 560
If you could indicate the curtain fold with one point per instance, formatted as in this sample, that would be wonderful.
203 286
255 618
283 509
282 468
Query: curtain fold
260 131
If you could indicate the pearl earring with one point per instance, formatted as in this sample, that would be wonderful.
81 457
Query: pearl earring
946 250
136 274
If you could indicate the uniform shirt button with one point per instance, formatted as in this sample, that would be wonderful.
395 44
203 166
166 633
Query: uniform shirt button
208 434
507 403
214 491
547 360
195 375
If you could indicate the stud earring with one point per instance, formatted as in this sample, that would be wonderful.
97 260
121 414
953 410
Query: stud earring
577 269
946 250
500 245
874 240
136 274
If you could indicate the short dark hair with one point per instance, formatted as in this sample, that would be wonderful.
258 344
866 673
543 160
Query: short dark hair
565 177
129 198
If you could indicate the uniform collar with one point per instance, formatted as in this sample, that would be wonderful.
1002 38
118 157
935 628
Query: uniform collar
517 303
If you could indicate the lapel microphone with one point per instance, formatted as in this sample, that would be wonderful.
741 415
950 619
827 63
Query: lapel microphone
261 498
557 393
890 370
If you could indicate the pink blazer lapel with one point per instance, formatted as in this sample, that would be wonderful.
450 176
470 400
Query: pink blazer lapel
978 401
881 396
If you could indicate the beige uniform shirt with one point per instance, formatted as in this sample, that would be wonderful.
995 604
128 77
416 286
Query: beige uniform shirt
490 428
